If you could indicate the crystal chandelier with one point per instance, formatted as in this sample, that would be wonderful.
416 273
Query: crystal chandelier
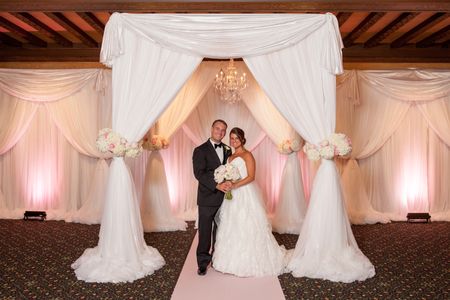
229 83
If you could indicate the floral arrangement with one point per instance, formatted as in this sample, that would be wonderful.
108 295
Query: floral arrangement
338 144
289 146
156 142
224 173
112 142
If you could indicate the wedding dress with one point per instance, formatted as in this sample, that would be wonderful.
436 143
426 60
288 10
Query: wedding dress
245 246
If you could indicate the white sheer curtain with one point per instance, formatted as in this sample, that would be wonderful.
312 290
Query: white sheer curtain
218 36
291 206
145 79
156 205
406 121
64 98
326 247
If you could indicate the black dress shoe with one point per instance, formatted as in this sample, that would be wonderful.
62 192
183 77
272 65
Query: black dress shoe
201 271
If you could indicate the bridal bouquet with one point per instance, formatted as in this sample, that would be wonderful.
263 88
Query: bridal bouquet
336 144
112 142
226 172
156 142
289 146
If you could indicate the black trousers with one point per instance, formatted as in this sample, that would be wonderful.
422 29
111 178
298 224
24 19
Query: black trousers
207 228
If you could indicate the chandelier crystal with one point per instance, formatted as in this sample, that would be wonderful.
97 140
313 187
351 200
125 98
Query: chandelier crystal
229 83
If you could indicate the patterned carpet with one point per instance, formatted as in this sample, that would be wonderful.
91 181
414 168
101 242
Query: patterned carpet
35 259
412 261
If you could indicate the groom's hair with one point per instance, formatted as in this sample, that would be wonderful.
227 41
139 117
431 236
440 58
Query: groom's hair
219 121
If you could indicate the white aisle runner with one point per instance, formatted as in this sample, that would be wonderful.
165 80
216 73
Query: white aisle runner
218 286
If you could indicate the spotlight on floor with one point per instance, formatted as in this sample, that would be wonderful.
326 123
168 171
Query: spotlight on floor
418 217
35 215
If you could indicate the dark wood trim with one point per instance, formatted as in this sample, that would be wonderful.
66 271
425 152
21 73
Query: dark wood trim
224 6
342 17
73 29
93 21
354 54
389 29
50 54
14 29
402 55
368 22
43 28
9 41
423 26
429 41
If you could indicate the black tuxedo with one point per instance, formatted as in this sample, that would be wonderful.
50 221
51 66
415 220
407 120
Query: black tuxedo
205 161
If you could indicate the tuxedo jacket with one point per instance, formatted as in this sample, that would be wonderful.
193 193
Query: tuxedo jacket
205 162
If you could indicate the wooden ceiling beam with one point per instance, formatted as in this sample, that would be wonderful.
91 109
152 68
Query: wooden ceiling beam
342 17
72 28
402 55
389 29
429 41
422 27
13 28
354 54
226 6
93 21
362 27
6 40
43 28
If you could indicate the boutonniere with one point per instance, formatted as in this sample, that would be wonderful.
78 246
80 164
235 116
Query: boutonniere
227 149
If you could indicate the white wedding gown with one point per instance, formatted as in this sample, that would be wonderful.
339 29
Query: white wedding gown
245 246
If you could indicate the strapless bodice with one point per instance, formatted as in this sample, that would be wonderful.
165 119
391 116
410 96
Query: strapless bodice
239 163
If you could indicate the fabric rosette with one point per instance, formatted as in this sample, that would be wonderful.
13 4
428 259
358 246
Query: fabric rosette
109 141
155 142
289 146
338 144
227 172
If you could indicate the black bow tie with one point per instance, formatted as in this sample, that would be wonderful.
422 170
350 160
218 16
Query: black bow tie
217 145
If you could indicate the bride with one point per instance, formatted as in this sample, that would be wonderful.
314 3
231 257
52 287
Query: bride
245 246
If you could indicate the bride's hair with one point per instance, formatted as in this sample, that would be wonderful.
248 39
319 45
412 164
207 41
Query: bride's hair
240 134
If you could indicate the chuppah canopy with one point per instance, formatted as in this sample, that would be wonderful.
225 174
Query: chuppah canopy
293 57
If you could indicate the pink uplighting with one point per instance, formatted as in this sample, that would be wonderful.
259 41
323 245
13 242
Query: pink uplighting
43 185
414 186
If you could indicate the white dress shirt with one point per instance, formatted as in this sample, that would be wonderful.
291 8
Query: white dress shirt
219 150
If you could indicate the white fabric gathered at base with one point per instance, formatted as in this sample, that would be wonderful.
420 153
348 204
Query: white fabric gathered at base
93 267
121 254
326 248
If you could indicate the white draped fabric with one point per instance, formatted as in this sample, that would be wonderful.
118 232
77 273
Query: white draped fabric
156 209
399 132
291 208
146 78
326 247
50 95
293 57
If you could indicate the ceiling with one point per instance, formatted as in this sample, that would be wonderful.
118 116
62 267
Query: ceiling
372 31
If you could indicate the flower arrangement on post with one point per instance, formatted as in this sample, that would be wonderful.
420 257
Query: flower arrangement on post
338 144
227 172
289 146
156 142
112 142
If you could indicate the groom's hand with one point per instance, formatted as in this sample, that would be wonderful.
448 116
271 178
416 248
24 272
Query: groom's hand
224 186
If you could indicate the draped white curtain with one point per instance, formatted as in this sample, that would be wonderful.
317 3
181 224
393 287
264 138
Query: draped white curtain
260 39
55 169
156 205
291 208
399 124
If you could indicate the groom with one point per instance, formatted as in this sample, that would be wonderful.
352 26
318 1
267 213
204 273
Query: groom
207 157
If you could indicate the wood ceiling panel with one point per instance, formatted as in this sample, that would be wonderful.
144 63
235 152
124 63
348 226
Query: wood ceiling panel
379 25
372 30
432 29
408 26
